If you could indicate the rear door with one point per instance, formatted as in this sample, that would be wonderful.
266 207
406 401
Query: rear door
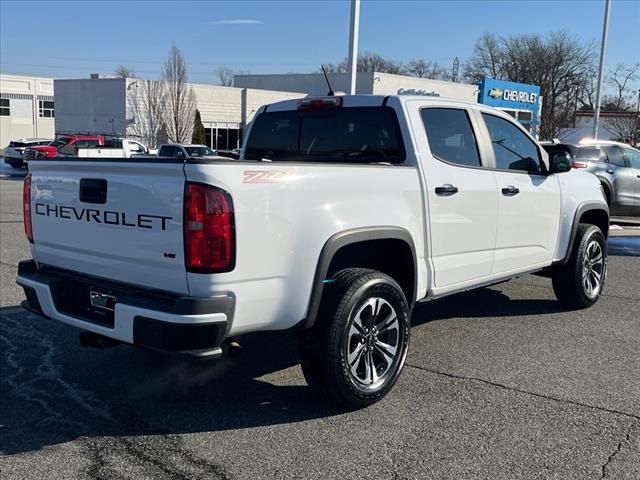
114 220
623 178
461 196
528 199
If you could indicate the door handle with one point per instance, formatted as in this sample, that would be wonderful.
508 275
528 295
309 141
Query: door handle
510 191
609 171
446 190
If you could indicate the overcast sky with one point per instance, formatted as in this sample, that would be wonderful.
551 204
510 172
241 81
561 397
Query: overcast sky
74 39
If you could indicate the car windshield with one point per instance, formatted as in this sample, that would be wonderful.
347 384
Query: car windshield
345 135
17 144
199 151
60 142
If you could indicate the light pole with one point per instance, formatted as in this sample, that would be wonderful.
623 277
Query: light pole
353 45
603 47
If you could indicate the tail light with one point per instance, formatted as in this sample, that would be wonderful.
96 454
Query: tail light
579 165
209 229
26 207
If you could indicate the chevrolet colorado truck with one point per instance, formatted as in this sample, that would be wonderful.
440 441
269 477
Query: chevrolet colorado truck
341 213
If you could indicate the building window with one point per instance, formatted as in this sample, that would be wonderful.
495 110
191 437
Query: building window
45 109
4 107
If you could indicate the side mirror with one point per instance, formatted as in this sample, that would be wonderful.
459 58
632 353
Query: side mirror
560 162
180 154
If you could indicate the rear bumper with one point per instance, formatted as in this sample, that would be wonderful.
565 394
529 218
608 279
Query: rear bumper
139 317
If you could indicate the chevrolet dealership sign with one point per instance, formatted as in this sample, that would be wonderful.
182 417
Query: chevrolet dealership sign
509 95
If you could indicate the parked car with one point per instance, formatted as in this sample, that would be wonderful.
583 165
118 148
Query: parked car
63 145
186 151
13 152
616 165
342 214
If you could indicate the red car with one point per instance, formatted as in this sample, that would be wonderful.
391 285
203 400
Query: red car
63 145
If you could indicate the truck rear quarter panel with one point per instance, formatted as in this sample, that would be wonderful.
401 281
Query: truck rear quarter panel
284 215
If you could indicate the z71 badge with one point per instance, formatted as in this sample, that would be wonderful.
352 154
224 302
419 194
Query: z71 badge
266 176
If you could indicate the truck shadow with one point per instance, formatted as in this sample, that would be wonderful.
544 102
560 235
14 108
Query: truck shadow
55 391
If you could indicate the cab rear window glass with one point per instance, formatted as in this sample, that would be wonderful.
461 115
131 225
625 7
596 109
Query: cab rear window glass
343 135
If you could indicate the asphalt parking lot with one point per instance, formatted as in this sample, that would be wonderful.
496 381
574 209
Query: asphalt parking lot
500 383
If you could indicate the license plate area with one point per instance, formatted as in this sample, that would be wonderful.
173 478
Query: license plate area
85 302
102 301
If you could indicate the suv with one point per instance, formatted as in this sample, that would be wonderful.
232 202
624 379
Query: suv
341 214
186 151
616 165
63 146
13 152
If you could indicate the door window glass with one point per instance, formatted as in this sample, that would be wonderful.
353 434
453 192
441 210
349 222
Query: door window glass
450 136
512 148
615 156
633 156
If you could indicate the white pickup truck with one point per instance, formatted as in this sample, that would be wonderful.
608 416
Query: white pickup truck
117 148
340 215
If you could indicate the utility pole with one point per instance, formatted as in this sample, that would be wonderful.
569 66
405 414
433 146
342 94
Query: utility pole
603 47
353 45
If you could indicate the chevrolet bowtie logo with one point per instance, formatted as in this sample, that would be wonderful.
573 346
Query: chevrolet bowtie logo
495 93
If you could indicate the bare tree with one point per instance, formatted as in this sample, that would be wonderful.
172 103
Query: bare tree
624 126
124 72
146 101
369 62
426 69
180 98
225 76
559 63
620 78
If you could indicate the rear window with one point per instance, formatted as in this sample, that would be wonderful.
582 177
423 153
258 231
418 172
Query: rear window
360 134
17 144
589 153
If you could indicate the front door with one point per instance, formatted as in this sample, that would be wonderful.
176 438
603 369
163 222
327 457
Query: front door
461 198
528 200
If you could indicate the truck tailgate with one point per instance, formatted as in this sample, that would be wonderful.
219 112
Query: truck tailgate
120 221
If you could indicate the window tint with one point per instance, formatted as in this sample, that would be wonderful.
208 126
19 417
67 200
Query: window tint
615 156
450 136
513 149
590 154
633 156
357 134
168 151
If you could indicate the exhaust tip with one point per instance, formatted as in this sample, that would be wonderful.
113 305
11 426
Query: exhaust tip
232 348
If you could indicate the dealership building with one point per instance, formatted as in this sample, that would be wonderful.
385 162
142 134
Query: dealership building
29 107
26 108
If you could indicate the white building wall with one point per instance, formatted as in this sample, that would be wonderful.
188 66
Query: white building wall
91 105
23 93
389 84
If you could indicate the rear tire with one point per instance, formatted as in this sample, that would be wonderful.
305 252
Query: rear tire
578 284
355 352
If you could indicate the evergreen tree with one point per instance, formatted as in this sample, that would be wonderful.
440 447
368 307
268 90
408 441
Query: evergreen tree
198 136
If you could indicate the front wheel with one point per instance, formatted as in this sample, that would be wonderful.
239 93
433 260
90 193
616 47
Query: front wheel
356 351
579 283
